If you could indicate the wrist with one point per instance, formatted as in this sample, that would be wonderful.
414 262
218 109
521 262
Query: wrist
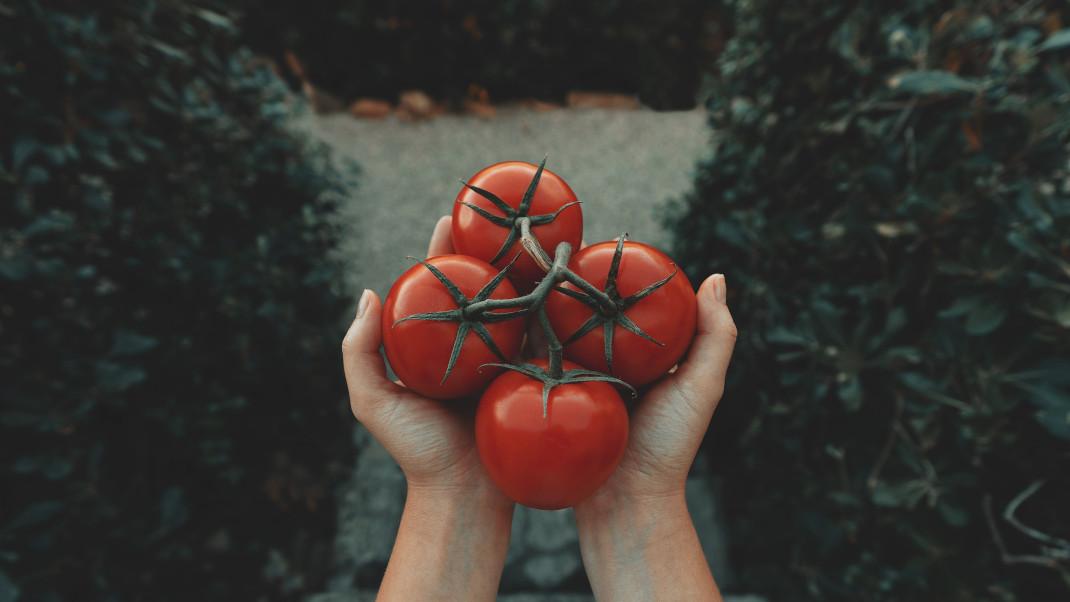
451 544
609 510
480 498
639 545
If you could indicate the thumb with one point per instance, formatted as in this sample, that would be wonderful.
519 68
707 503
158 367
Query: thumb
364 370
702 375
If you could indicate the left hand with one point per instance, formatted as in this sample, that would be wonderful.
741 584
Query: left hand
431 441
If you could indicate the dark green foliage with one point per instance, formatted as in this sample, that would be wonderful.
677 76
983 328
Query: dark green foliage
172 403
512 48
889 196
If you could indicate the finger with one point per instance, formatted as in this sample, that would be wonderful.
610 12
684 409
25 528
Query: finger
441 241
702 374
364 370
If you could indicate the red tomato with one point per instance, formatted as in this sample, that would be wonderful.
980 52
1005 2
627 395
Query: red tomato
477 235
552 461
419 350
666 315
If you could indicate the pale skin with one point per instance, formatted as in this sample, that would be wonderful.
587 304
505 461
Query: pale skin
636 536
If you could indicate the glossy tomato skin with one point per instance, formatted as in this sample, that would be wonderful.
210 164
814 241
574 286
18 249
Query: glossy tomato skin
668 314
555 461
419 350
474 235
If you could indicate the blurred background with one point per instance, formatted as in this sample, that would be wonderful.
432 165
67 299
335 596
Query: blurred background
193 193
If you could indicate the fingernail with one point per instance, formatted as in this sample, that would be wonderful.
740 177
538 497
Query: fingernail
362 305
720 288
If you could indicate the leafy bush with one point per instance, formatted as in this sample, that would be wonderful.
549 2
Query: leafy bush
515 48
889 194
172 404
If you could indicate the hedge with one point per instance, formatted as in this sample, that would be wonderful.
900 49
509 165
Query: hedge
888 192
510 49
173 412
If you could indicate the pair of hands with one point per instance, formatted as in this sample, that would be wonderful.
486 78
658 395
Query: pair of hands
435 448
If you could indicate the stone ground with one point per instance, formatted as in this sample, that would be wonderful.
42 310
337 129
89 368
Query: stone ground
623 165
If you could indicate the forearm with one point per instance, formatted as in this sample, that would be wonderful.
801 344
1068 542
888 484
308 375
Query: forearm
449 547
643 550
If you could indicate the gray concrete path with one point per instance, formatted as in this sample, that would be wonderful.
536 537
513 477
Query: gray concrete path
623 165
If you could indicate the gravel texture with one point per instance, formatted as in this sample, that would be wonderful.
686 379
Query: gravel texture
623 165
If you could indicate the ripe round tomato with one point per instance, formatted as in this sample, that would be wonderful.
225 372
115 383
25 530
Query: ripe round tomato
477 235
552 461
419 350
667 314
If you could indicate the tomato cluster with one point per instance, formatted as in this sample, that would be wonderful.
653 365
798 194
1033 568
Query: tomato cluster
549 432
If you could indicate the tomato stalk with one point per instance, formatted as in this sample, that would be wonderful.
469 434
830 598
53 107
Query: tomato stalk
472 314
558 272
609 312
531 245
535 301
556 351
535 298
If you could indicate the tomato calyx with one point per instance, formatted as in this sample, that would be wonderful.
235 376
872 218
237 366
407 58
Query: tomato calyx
610 315
513 218
563 377
467 321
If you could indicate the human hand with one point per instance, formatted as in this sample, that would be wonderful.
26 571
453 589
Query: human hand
432 441
454 531
670 420
636 535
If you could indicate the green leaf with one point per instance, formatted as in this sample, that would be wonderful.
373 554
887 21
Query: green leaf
1021 241
923 384
899 495
896 320
9 592
117 377
1056 41
844 498
1062 315
34 514
980 28
961 306
16 267
215 19
1056 420
906 353
128 342
1052 371
954 515
173 511
783 336
51 467
1046 394
923 83
850 392
171 51
22 149
50 222
985 318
